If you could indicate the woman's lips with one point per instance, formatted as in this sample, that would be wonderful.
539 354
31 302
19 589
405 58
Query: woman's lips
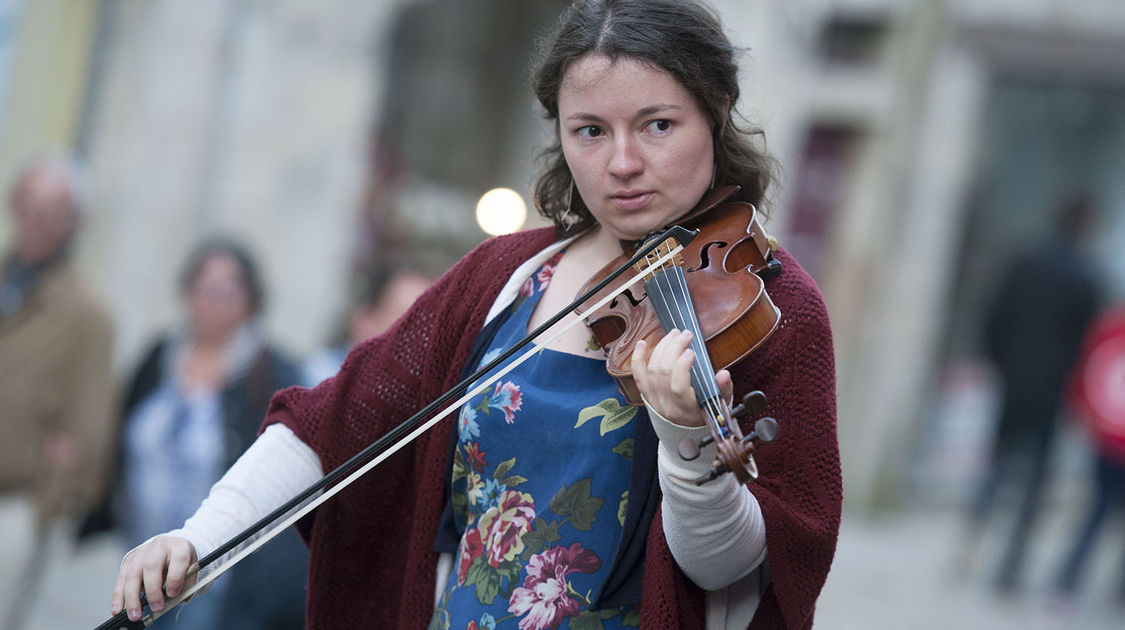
632 200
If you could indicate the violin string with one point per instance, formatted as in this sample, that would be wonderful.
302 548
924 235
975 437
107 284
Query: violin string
299 512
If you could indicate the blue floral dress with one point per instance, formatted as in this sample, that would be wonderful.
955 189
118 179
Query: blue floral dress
540 485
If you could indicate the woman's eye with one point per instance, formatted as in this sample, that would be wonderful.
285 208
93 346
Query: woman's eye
662 125
589 131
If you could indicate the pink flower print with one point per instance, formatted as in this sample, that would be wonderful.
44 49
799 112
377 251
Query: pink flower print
545 603
472 626
471 548
547 272
543 596
507 397
527 288
504 526
474 456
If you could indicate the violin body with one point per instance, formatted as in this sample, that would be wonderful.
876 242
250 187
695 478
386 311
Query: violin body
722 267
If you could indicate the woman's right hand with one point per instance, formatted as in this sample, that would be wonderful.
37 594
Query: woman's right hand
163 561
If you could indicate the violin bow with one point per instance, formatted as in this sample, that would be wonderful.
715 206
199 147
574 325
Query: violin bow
379 450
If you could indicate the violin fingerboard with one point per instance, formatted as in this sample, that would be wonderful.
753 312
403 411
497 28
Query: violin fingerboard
670 299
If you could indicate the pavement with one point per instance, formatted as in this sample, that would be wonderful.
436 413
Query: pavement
918 570
895 571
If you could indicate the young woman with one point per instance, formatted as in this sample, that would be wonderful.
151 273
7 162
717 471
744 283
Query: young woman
549 503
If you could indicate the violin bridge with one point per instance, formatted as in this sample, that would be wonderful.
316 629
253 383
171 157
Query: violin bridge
661 250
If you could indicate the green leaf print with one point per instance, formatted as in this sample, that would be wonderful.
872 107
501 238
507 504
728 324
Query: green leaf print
461 505
621 507
613 415
587 620
502 469
632 619
625 449
460 468
588 414
540 537
512 481
577 503
510 569
485 579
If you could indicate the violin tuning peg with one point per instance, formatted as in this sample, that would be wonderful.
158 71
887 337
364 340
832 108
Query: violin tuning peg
753 403
688 449
765 430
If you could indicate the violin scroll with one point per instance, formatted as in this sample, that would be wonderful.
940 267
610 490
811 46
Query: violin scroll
742 449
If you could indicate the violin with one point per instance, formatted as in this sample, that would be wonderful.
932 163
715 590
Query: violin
714 288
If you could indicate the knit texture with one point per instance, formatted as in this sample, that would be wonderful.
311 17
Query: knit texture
372 562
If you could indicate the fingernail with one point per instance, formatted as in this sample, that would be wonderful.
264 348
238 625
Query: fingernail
134 614
156 606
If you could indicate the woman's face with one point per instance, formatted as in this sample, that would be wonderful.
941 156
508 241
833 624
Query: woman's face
217 299
637 143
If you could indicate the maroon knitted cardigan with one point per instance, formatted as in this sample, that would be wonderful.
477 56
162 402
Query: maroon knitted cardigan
372 562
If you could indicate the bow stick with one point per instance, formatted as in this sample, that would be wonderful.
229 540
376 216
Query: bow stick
374 454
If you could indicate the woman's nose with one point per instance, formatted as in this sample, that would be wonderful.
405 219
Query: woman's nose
626 160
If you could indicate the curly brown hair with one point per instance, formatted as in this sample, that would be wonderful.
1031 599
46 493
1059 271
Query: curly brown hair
684 38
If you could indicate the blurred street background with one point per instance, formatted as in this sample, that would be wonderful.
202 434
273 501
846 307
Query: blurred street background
925 146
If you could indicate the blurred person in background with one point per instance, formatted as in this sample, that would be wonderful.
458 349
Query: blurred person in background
382 298
1045 300
1098 397
56 389
520 513
192 407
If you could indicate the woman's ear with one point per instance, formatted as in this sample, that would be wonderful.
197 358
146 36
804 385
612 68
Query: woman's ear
722 126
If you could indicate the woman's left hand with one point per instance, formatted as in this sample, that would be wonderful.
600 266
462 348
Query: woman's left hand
664 378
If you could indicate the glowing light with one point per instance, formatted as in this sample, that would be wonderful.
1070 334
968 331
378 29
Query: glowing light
501 211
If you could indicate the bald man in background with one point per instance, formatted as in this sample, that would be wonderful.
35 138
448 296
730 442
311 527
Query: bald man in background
56 389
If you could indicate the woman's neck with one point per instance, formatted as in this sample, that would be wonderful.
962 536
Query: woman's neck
583 258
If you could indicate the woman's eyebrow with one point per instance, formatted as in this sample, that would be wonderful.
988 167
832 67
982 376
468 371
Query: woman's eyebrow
644 111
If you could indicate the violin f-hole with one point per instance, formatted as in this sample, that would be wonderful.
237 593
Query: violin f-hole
628 293
705 254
